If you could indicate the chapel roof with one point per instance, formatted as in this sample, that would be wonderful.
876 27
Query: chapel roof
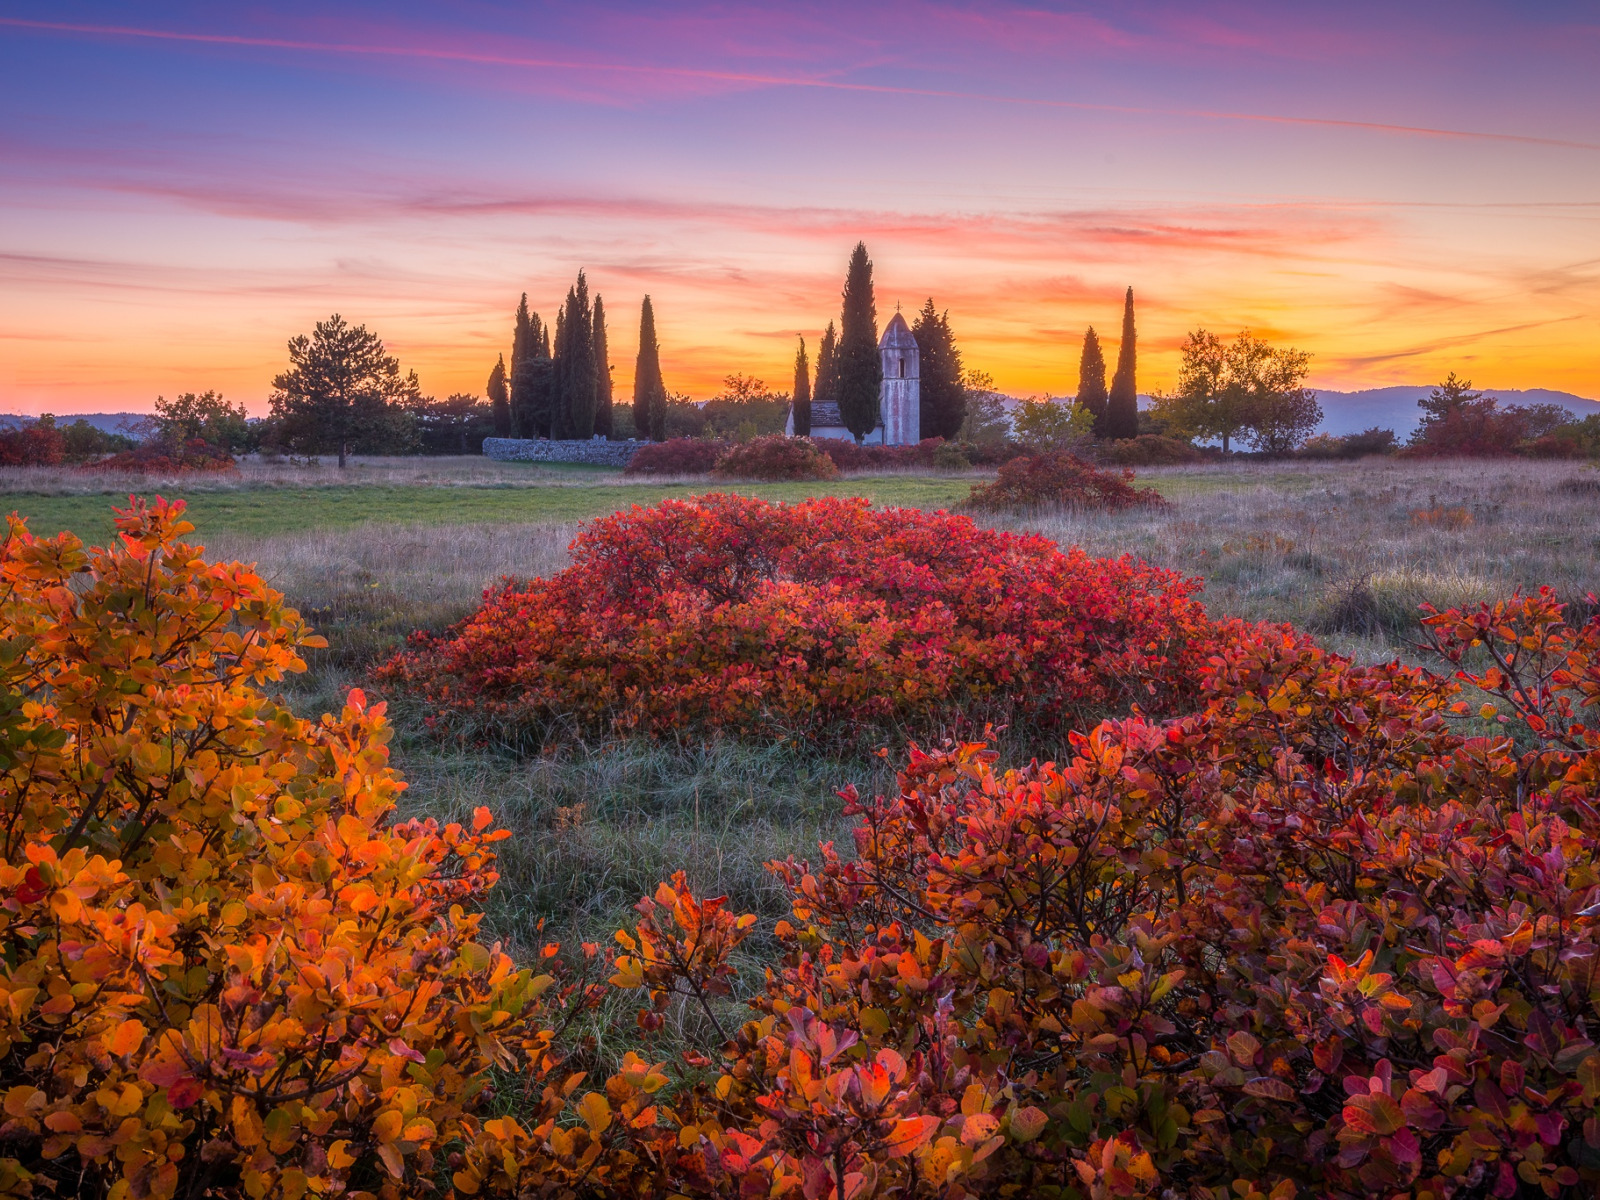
897 335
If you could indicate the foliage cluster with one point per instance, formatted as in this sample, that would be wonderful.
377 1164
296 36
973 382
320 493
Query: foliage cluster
205 417
1366 444
825 619
1309 936
1243 389
676 456
1059 479
1146 450
745 408
158 456
775 457
43 443
1458 422
227 970
1048 425
848 456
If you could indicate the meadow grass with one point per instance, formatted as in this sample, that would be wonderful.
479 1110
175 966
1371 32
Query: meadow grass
1346 549
273 510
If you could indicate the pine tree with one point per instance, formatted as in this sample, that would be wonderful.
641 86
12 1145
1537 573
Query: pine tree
649 393
859 367
1122 404
602 372
1092 381
943 399
802 392
825 389
500 399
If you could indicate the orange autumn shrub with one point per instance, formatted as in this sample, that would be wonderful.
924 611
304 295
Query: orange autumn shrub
824 619
225 970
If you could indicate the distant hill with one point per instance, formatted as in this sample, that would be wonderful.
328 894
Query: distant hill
1396 407
129 423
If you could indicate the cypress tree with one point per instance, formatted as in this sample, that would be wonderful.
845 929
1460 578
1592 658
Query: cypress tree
826 388
602 372
560 426
649 393
802 392
859 367
524 375
1092 381
1122 404
943 403
577 386
500 399
541 369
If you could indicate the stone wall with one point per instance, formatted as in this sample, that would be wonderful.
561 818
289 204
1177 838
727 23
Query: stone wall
598 452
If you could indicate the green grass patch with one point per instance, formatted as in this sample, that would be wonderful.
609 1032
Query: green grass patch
274 510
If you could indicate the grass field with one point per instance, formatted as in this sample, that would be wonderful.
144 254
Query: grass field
1348 550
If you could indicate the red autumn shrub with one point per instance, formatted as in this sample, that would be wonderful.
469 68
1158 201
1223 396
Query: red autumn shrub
160 457
1311 941
678 456
35 445
1036 480
826 618
848 456
775 458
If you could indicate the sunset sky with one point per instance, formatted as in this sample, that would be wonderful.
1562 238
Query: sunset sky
1402 189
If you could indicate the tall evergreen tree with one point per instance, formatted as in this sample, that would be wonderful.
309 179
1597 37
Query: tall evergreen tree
943 399
1092 392
575 365
1122 404
602 372
859 366
530 375
500 399
802 392
649 393
825 389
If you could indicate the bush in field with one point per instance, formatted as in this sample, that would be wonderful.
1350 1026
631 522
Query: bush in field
848 456
677 456
37 444
1037 480
824 619
1366 444
227 970
775 457
1146 450
162 457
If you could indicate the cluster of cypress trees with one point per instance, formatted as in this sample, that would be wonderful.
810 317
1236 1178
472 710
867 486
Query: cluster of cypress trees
849 371
560 390
1115 409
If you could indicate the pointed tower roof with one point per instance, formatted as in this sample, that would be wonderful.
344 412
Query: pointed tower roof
897 335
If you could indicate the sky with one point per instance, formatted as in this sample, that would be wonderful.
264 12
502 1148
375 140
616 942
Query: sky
1401 189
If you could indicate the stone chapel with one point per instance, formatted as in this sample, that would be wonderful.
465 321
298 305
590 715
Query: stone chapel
899 396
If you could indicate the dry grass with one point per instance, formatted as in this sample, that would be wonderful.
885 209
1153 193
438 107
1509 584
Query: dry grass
1349 549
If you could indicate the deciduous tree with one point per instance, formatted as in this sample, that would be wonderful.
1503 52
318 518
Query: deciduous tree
1245 388
206 416
859 366
343 393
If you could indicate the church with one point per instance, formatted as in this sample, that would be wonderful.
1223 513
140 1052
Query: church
899 396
